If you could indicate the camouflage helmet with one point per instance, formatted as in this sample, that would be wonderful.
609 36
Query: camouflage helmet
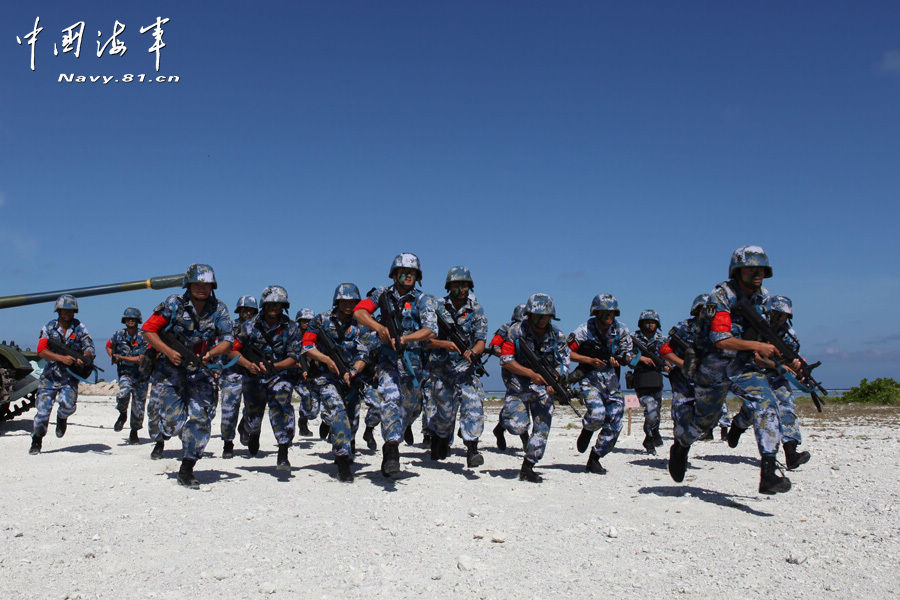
345 291
649 315
305 314
698 303
605 302
749 256
458 274
781 304
132 313
406 260
518 313
540 304
246 301
273 294
199 273
66 301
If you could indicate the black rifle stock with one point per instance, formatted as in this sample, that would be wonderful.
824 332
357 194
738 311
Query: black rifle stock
540 366
453 332
391 320
83 371
658 362
592 350
331 349
189 358
691 360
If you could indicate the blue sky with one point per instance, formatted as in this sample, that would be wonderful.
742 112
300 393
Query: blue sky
572 148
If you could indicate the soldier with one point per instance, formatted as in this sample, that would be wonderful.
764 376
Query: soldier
456 385
233 382
732 366
399 367
369 378
602 345
58 382
309 406
186 394
126 350
780 311
526 391
648 383
495 348
269 344
339 395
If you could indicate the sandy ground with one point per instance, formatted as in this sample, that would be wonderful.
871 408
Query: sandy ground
92 517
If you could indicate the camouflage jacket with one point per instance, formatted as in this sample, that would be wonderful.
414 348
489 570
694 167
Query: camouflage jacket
76 337
726 324
126 345
277 342
653 343
472 321
417 311
551 346
348 338
617 339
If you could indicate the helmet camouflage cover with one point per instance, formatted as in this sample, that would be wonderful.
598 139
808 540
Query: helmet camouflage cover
518 313
605 303
699 302
305 314
246 301
749 256
540 304
649 315
131 313
200 273
781 304
458 274
275 293
345 291
406 260
67 302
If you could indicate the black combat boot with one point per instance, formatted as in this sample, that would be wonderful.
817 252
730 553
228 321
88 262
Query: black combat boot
242 432
120 422
133 437
186 474
157 451
593 464
343 467
723 433
282 463
369 438
390 458
769 482
36 444
60 427
706 437
426 439
526 473
352 449
584 440
734 435
435 450
473 457
793 458
499 432
524 437
324 430
657 439
303 427
408 436
253 444
649 445
228 449
678 461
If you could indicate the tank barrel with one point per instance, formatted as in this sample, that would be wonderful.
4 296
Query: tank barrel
155 283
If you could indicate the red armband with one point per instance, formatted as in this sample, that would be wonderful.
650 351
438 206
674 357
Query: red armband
496 341
665 349
721 323
109 343
508 348
309 338
236 345
42 344
155 323
573 346
366 305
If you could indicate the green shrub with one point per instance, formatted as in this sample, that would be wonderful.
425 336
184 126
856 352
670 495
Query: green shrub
883 390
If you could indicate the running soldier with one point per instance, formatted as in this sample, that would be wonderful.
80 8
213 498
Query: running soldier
369 378
400 358
58 382
126 350
495 348
648 381
233 383
309 406
186 388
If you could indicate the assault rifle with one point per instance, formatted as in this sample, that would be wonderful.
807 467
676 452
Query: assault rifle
646 351
331 349
691 360
450 330
593 350
256 356
190 360
758 328
79 372
548 373
391 320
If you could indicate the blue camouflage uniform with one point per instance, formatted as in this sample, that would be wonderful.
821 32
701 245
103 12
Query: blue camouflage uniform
650 399
186 398
370 344
277 342
600 388
454 383
56 384
522 396
132 385
722 370
232 387
695 333
399 375
340 402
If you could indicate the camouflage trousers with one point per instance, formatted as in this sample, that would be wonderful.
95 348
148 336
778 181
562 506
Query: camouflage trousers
605 406
232 388
153 428
711 387
134 388
310 404
49 392
277 395
343 411
401 402
373 407
453 392
518 406
787 413
652 402
186 408
428 405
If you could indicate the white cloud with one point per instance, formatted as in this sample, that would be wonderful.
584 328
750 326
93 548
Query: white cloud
890 61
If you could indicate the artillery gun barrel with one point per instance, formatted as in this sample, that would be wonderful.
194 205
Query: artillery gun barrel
155 283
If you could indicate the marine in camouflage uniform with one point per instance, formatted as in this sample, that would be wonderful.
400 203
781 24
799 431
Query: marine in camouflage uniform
600 388
57 383
232 380
495 348
455 385
780 311
186 395
272 335
310 404
368 376
340 395
732 366
650 397
126 348
526 391
399 369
